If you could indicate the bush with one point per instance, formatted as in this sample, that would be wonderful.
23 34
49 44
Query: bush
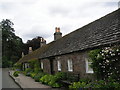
28 71
86 80
32 74
96 84
38 76
45 79
105 62
78 85
18 66
60 75
16 74
50 80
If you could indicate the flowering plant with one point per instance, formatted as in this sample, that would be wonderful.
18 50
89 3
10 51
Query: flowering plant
106 62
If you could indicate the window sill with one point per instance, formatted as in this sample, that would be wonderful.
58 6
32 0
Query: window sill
70 70
90 72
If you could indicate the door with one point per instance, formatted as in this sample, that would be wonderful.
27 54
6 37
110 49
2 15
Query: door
52 66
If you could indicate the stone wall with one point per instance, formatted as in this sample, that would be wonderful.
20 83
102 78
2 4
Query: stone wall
78 60
46 66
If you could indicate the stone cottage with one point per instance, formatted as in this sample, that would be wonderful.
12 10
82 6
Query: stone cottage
70 52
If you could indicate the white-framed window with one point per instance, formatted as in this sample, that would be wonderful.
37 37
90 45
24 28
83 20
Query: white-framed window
59 65
26 65
88 67
70 65
41 65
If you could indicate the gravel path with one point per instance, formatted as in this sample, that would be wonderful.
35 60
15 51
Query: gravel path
28 82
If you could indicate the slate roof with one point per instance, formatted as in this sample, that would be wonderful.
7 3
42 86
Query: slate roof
100 32
33 55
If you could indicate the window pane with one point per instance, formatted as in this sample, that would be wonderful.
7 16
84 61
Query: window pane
59 66
70 66
88 66
41 65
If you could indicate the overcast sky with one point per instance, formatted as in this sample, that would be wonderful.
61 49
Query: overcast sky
33 18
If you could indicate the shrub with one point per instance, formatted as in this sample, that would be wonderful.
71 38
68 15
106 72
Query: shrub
46 78
105 62
16 74
27 71
38 76
60 75
86 80
34 65
96 84
50 80
18 66
78 85
32 74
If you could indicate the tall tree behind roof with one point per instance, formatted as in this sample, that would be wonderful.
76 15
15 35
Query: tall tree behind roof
11 44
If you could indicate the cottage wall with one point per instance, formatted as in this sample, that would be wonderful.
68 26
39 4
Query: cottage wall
78 60
46 66
79 63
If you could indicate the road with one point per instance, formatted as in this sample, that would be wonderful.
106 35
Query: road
7 81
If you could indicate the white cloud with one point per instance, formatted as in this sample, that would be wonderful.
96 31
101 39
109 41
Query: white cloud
40 17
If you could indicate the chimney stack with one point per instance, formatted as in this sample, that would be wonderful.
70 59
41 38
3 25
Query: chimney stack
42 42
30 49
57 34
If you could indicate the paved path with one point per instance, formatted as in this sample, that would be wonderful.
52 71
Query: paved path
28 82
7 81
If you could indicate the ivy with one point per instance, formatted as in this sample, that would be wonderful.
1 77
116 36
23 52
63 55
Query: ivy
34 65
18 66
106 62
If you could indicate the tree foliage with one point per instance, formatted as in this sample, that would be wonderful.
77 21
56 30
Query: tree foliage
11 44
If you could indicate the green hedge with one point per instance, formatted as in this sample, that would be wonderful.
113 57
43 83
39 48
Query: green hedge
50 80
96 84
16 73
38 76
53 80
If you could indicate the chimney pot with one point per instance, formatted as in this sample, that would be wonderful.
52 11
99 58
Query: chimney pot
43 42
58 29
30 49
57 33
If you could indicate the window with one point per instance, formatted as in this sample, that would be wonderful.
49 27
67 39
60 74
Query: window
41 65
70 66
59 65
88 68
26 65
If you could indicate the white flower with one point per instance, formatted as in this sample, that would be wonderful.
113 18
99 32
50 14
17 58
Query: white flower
110 52
102 54
107 61
113 54
117 50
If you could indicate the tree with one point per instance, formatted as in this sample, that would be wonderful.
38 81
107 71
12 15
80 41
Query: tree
11 44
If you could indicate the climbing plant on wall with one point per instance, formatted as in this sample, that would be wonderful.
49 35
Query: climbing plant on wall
35 65
106 62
